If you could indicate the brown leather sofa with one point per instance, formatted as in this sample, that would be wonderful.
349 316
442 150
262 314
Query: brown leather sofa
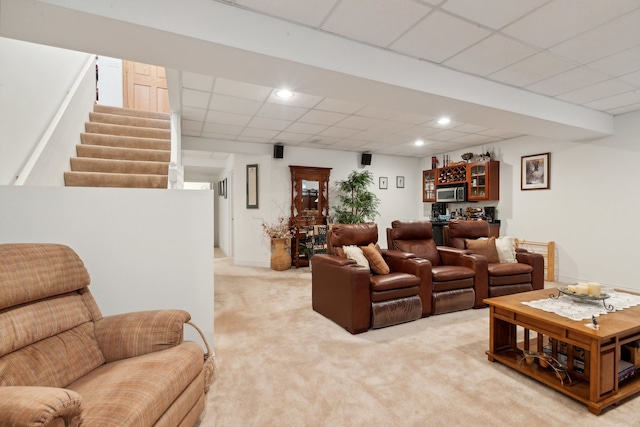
526 274
357 299
453 273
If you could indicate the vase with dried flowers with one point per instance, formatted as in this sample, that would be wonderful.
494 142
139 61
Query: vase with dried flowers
280 234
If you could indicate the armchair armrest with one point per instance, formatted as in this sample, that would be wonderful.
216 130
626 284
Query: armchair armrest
478 263
340 292
133 334
43 406
537 262
406 262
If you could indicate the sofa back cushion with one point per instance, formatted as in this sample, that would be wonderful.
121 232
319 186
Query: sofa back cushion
415 237
456 233
47 335
350 234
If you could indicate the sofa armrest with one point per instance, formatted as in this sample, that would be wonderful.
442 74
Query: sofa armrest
340 292
43 406
537 262
133 334
396 254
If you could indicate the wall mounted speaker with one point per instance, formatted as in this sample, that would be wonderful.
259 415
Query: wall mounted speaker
278 151
366 159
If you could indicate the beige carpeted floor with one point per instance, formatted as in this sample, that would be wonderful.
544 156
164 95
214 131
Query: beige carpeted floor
279 363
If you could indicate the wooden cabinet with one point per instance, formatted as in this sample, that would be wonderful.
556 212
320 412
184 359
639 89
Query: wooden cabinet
483 180
429 185
456 174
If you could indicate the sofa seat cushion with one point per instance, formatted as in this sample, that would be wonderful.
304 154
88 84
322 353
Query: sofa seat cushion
445 273
137 391
509 269
393 280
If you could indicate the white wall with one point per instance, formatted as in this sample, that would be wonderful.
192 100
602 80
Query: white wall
145 249
589 211
36 79
274 192
110 81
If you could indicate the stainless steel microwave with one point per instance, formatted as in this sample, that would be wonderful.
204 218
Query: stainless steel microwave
456 193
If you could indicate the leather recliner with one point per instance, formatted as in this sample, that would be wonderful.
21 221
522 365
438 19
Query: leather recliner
453 274
355 298
503 278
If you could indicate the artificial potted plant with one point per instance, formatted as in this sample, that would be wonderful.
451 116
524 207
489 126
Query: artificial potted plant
356 203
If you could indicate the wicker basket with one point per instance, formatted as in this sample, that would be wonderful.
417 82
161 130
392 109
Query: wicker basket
209 361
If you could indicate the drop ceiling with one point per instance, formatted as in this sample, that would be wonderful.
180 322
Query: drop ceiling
580 52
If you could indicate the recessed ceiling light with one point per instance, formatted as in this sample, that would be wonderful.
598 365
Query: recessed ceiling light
444 120
284 93
418 143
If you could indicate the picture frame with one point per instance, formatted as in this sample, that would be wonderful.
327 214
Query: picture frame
399 181
224 188
383 183
535 172
252 186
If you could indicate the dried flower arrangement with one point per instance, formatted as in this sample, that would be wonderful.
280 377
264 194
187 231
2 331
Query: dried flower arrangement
279 230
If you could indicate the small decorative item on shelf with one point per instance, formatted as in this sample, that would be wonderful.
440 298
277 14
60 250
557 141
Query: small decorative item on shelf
546 361
280 234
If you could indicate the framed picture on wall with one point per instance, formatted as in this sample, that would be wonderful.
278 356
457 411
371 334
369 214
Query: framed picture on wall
383 183
399 181
534 172
252 186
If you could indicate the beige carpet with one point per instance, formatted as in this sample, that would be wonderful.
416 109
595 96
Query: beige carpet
281 364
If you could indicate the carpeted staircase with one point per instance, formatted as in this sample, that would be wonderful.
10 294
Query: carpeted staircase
122 148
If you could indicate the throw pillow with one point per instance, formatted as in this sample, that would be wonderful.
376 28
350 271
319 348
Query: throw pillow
355 253
506 247
374 256
486 247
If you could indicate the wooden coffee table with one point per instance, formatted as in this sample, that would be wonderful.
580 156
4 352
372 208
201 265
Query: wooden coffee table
516 328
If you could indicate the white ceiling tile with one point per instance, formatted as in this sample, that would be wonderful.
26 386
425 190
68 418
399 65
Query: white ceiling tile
215 135
416 119
299 100
470 138
617 101
632 78
420 131
612 37
490 55
625 109
621 63
492 13
338 106
292 137
349 144
252 139
272 124
308 128
283 112
222 129
560 20
596 91
390 126
191 133
438 37
494 132
196 81
308 12
357 122
228 118
259 133
446 135
339 132
532 69
233 104
467 128
377 112
241 89
323 140
568 81
190 125
190 113
375 22
322 117
195 98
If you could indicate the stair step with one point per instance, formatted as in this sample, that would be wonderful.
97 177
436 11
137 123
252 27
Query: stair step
100 179
130 112
125 141
116 119
107 152
85 164
127 130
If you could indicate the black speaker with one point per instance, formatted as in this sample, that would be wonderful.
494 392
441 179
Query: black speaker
366 159
278 151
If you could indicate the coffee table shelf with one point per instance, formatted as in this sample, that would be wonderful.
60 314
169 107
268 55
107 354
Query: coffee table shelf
516 328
